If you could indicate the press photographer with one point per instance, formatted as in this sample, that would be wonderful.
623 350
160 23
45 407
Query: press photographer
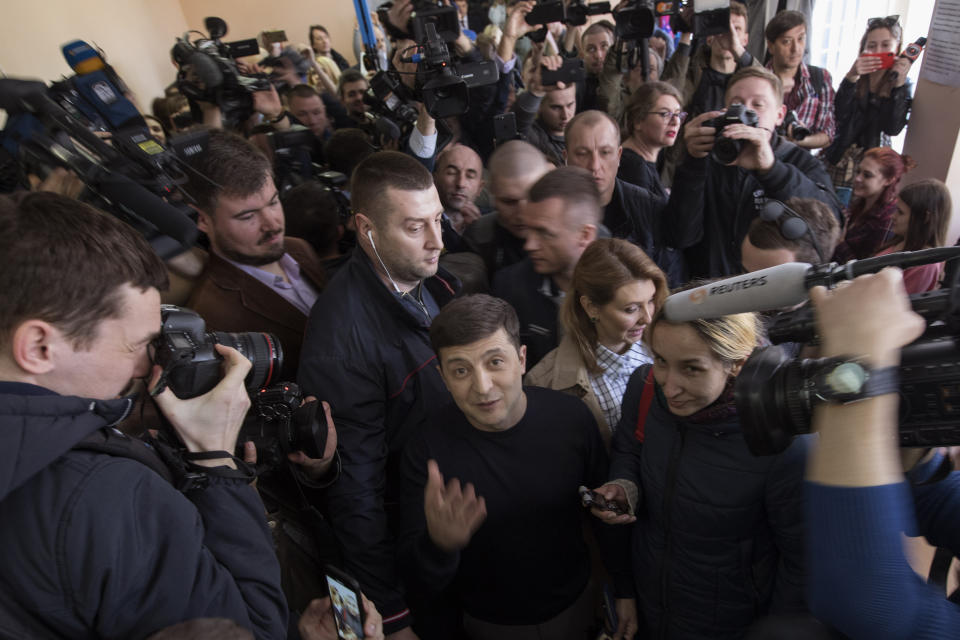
75 327
732 158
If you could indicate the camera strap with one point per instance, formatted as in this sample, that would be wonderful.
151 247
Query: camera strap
646 399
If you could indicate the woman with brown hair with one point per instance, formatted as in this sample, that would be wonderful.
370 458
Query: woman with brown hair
652 121
615 291
920 222
872 102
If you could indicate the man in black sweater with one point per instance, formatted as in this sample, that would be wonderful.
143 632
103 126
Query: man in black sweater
515 556
712 204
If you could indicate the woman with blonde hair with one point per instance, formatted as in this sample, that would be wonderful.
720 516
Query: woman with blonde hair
615 291
717 539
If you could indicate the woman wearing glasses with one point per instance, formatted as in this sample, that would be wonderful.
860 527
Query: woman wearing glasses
652 121
872 102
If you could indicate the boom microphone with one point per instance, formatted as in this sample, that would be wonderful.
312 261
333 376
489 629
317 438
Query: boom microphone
784 285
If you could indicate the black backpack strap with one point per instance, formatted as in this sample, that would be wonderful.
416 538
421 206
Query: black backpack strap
816 79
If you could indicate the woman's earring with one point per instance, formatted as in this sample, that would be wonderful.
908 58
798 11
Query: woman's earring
593 319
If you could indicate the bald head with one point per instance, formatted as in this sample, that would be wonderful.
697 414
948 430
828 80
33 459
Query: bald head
458 175
514 167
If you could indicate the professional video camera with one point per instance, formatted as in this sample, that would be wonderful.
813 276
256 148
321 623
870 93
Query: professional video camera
276 422
209 73
776 394
47 129
726 150
391 101
574 14
444 84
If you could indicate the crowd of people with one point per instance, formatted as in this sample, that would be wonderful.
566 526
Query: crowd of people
510 438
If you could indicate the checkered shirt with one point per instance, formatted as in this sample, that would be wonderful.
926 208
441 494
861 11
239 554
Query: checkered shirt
610 385
814 110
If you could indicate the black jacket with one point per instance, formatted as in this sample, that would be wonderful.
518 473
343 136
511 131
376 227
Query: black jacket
491 241
521 286
718 541
370 357
98 546
635 214
863 118
711 205
527 107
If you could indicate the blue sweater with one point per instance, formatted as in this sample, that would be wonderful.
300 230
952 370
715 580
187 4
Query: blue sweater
860 581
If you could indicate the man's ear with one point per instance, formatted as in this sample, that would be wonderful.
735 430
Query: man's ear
781 114
522 354
588 233
204 220
34 346
362 223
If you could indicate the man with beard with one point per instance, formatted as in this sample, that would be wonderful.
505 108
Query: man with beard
256 279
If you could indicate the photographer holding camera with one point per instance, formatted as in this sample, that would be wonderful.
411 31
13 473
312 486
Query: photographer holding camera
712 201
100 544
858 504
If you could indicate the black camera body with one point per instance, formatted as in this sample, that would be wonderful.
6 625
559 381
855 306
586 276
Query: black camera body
800 130
191 365
278 423
444 85
726 150
573 15
208 73
634 21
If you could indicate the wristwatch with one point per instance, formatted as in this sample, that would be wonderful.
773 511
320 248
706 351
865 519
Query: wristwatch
847 379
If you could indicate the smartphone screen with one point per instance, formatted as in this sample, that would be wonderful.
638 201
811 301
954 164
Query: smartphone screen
346 609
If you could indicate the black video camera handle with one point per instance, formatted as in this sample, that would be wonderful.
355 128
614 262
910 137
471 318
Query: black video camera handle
828 275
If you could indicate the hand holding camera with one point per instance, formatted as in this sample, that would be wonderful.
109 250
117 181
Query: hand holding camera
210 422
700 134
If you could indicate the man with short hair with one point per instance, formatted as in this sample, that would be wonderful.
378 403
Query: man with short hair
498 237
561 219
595 43
351 89
807 90
769 243
711 204
515 556
702 78
256 278
98 541
629 212
458 176
308 109
367 347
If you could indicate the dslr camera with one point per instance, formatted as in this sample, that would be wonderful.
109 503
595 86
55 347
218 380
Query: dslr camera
276 421
726 150
800 130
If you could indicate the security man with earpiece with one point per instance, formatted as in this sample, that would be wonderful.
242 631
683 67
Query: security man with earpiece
367 349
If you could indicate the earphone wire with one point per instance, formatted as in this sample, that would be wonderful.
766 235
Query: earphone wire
396 288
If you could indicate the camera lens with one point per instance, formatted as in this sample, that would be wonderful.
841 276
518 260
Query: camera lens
726 150
263 350
773 399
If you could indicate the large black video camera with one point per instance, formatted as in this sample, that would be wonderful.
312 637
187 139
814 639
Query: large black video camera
775 393
726 150
443 84
276 421
209 73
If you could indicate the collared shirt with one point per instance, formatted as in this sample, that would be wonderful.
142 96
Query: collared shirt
813 109
610 385
298 291
551 290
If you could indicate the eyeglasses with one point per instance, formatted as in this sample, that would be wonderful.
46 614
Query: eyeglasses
667 116
889 21
792 225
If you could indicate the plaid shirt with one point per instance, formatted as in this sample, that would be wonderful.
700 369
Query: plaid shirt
610 385
813 110
866 233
